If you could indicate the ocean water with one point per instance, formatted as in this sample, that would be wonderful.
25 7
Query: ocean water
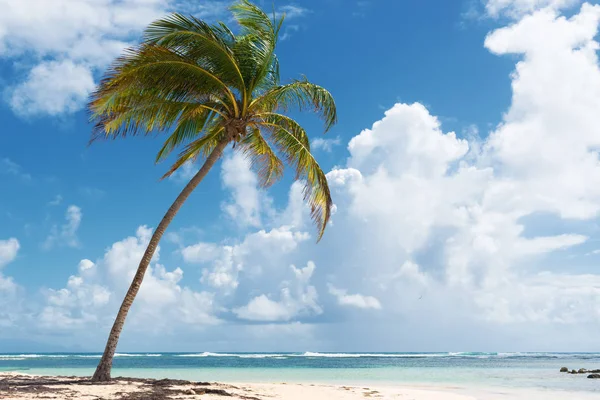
514 370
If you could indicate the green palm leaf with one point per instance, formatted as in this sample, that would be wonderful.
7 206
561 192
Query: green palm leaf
302 94
200 42
291 140
256 46
190 124
200 146
268 167
166 74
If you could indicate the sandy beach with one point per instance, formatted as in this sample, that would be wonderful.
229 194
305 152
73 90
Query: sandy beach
15 386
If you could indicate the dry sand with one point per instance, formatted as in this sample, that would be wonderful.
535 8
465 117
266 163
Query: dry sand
18 386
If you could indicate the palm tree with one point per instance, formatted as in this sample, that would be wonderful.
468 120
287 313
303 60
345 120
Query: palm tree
210 87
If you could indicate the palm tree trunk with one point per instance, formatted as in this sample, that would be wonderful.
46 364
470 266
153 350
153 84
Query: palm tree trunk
102 373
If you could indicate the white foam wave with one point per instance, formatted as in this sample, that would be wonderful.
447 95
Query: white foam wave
14 356
208 354
136 355
374 355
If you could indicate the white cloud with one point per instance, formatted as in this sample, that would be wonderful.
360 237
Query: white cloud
257 251
518 8
93 294
411 191
325 144
65 234
8 250
296 299
292 11
225 270
288 31
200 252
247 200
427 220
52 88
559 298
185 173
262 308
74 38
85 265
354 300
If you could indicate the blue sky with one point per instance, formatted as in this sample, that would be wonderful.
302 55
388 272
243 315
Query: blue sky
464 170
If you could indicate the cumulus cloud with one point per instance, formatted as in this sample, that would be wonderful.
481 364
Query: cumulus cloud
296 298
65 234
427 220
257 251
354 300
52 88
92 295
247 200
326 145
433 216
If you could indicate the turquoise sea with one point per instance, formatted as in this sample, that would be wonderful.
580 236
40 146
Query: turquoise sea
523 370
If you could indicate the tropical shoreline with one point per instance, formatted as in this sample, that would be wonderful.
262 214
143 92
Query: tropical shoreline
466 373
19 386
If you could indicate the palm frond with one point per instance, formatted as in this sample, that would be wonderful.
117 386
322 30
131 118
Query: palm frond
268 167
190 124
252 18
255 47
226 34
199 147
291 140
166 74
131 114
302 94
200 42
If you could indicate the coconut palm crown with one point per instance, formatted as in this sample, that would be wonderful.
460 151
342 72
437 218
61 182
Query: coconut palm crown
213 86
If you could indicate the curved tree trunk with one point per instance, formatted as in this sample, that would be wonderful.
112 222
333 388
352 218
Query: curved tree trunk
102 373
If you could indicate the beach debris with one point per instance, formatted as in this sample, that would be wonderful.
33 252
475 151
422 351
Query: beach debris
135 388
580 371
